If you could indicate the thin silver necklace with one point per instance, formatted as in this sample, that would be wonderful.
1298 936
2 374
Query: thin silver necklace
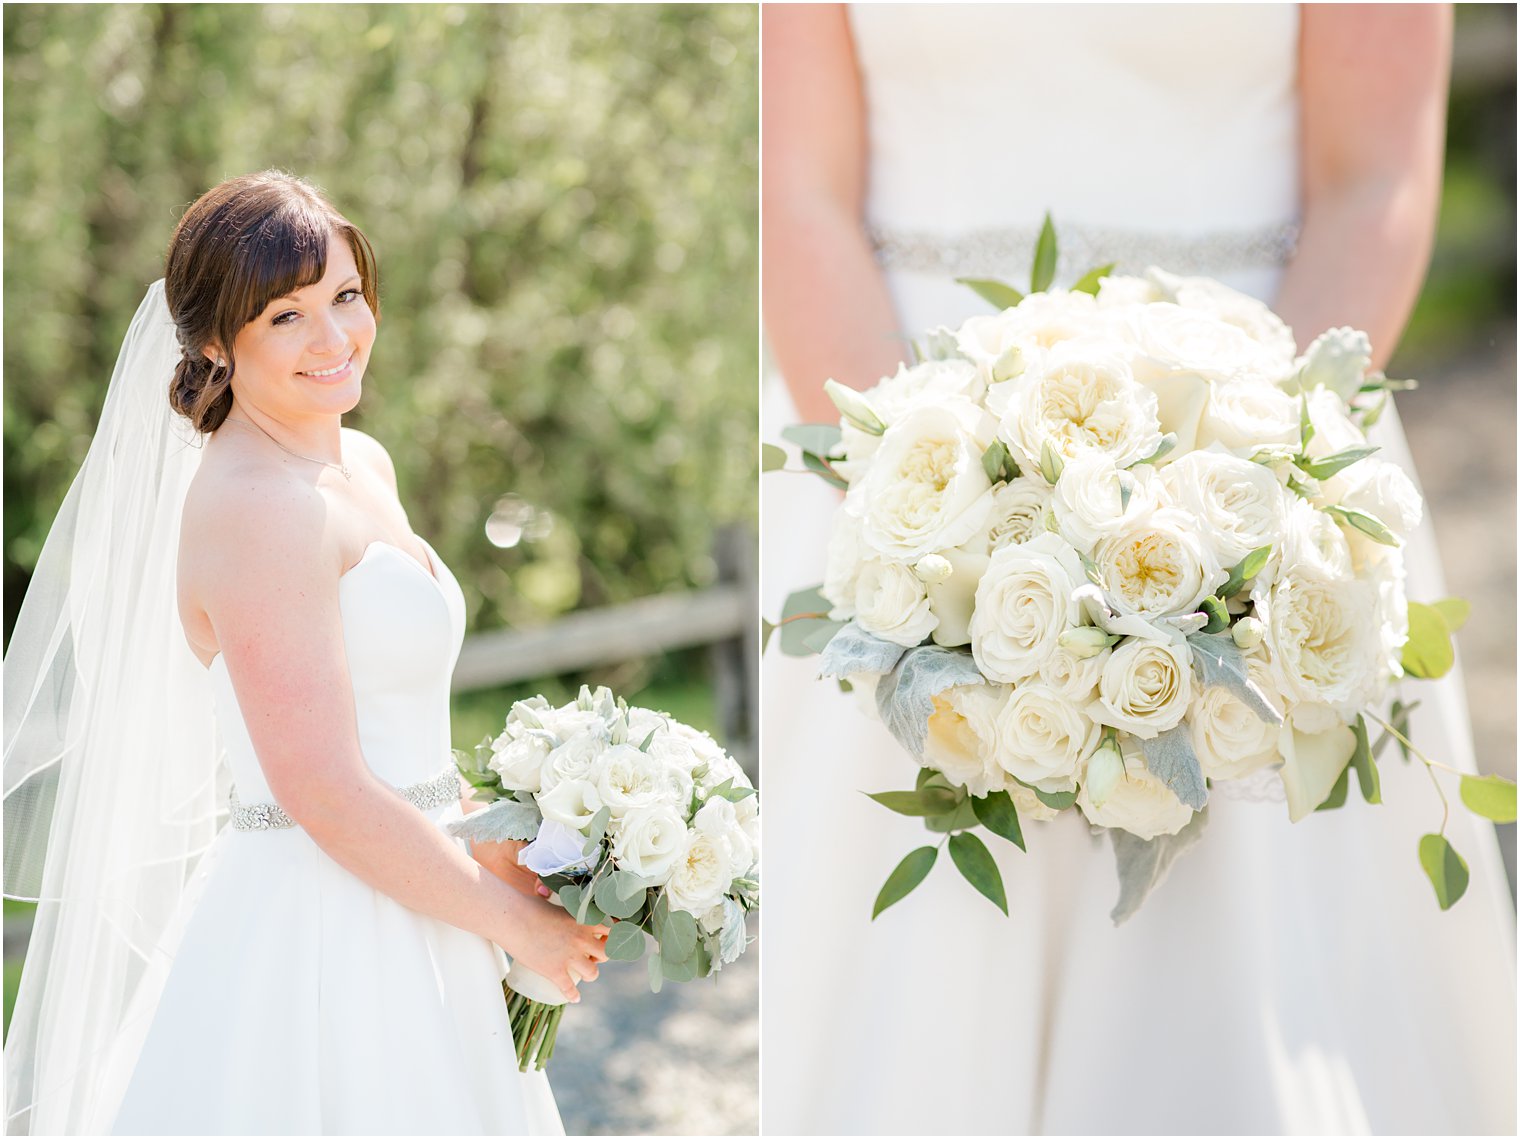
341 468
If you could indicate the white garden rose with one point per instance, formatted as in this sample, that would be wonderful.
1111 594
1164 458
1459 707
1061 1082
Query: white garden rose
1079 399
1333 429
1251 316
1043 738
517 757
1230 740
626 778
962 738
1239 505
1018 512
572 802
1121 292
925 490
1172 340
648 841
1028 804
1248 412
1139 802
1145 686
1158 566
922 385
571 721
1075 678
1034 326
719 820
1325 638
1089 499
747 812
1312 540
892 603
701 874
1023 604
573 758
1381 489
842 563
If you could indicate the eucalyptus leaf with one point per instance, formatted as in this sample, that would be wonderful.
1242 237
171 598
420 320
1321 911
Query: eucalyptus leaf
569 897
996 293
1044 270
1427 653
1490 796
678 937
1445 869
905 878
629 884
1089 281
505 820
772 457
818 639
596 830
625 942
1143 863
695 964
803 612
615 904
656 972
998 814
977 866
852 650
822 468
813 438
1219 661
1171 758
1454 610
1361 760
905 696
918 804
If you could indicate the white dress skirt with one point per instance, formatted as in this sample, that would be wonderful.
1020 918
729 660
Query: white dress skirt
1291 979
291 998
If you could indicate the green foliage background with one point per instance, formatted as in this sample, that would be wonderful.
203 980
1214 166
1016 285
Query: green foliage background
564 202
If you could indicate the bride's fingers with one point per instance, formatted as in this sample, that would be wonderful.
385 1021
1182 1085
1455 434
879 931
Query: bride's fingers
585 969
566 982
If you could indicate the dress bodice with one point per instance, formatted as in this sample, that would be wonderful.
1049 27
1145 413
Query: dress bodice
1154 134
402 630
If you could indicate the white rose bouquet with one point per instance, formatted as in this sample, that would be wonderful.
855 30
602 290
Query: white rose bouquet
633 821
1111 547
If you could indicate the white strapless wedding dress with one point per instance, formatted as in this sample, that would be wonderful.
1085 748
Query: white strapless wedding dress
290 998
1284 979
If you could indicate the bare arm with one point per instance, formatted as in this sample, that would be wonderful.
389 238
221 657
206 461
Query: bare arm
272 595
1373 95
828 314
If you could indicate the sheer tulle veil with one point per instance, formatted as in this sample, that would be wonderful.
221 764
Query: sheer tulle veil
111 755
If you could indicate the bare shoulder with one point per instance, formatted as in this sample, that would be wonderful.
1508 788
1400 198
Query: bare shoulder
366 449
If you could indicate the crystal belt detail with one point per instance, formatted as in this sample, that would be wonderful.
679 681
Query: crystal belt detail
1008 252
438 791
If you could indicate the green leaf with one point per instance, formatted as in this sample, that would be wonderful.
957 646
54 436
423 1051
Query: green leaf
919 804
1334 464
1218 615
1427 653
1454 610
625 942
1164 448
813 463
901 882
1044 270
963 817
1445 869
925 774
1491 796
1398 718
1337 797
1305 424
795 627
995 293
597 829
998 814
813 438
1089 281
772 457
977 866
998 463
1366 523
612 902
695 964
1055 800
629 884
656 972
766 629
1244 570
1366 771
822 637
569 897
678 937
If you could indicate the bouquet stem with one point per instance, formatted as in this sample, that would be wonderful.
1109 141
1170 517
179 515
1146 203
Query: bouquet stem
534 1028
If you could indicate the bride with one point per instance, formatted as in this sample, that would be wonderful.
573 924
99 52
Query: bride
232 588
1289 979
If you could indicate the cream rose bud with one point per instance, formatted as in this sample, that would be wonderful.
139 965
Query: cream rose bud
1090 504
1238 505
962 739
747 812
1246 633
925 489
1247 412
1104 770
518 758
1230 740
1326 640
701 874
1080 398
1084 642
1017 514
1145 687
1043 738
1023 604
1139 803
572 802
1336 362
994 344
892 603
648 841
1158 567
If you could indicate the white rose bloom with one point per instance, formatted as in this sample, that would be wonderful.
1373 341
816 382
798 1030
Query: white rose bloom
571 721
1314 541
995 345
842 565
1239 505
1018 512
1158 567
1170 339
1023 604
573 758
922 385
1028 804
925 489
747 811
1080 398
1256 320
701 874
648 842
1326 640
1230 740
1121 292
1139 803
1074 679
517 757
1333 428
1043 738
1382 489
573 802
891 602
1088 499
962 738
1247 412
1037 324
1387 577
1145 687
626 778
719 820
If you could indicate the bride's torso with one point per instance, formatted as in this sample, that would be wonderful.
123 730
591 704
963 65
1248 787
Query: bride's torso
1152 133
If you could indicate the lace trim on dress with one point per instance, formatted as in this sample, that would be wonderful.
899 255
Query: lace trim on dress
438 791
1261 786
1008 252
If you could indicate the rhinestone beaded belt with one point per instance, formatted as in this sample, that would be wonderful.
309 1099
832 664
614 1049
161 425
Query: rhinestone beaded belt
438 791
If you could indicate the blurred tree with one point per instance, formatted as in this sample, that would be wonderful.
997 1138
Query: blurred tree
564 201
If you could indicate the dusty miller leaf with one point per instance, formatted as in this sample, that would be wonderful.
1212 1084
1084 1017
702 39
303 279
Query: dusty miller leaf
506 820
1219 661
905 696
852 650
1171 759
1143 863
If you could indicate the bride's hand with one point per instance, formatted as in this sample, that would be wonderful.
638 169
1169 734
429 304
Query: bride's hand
500 858
554 945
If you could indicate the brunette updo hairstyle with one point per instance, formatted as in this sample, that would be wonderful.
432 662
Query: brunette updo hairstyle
241 245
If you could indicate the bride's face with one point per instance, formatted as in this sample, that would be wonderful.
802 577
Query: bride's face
305 353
